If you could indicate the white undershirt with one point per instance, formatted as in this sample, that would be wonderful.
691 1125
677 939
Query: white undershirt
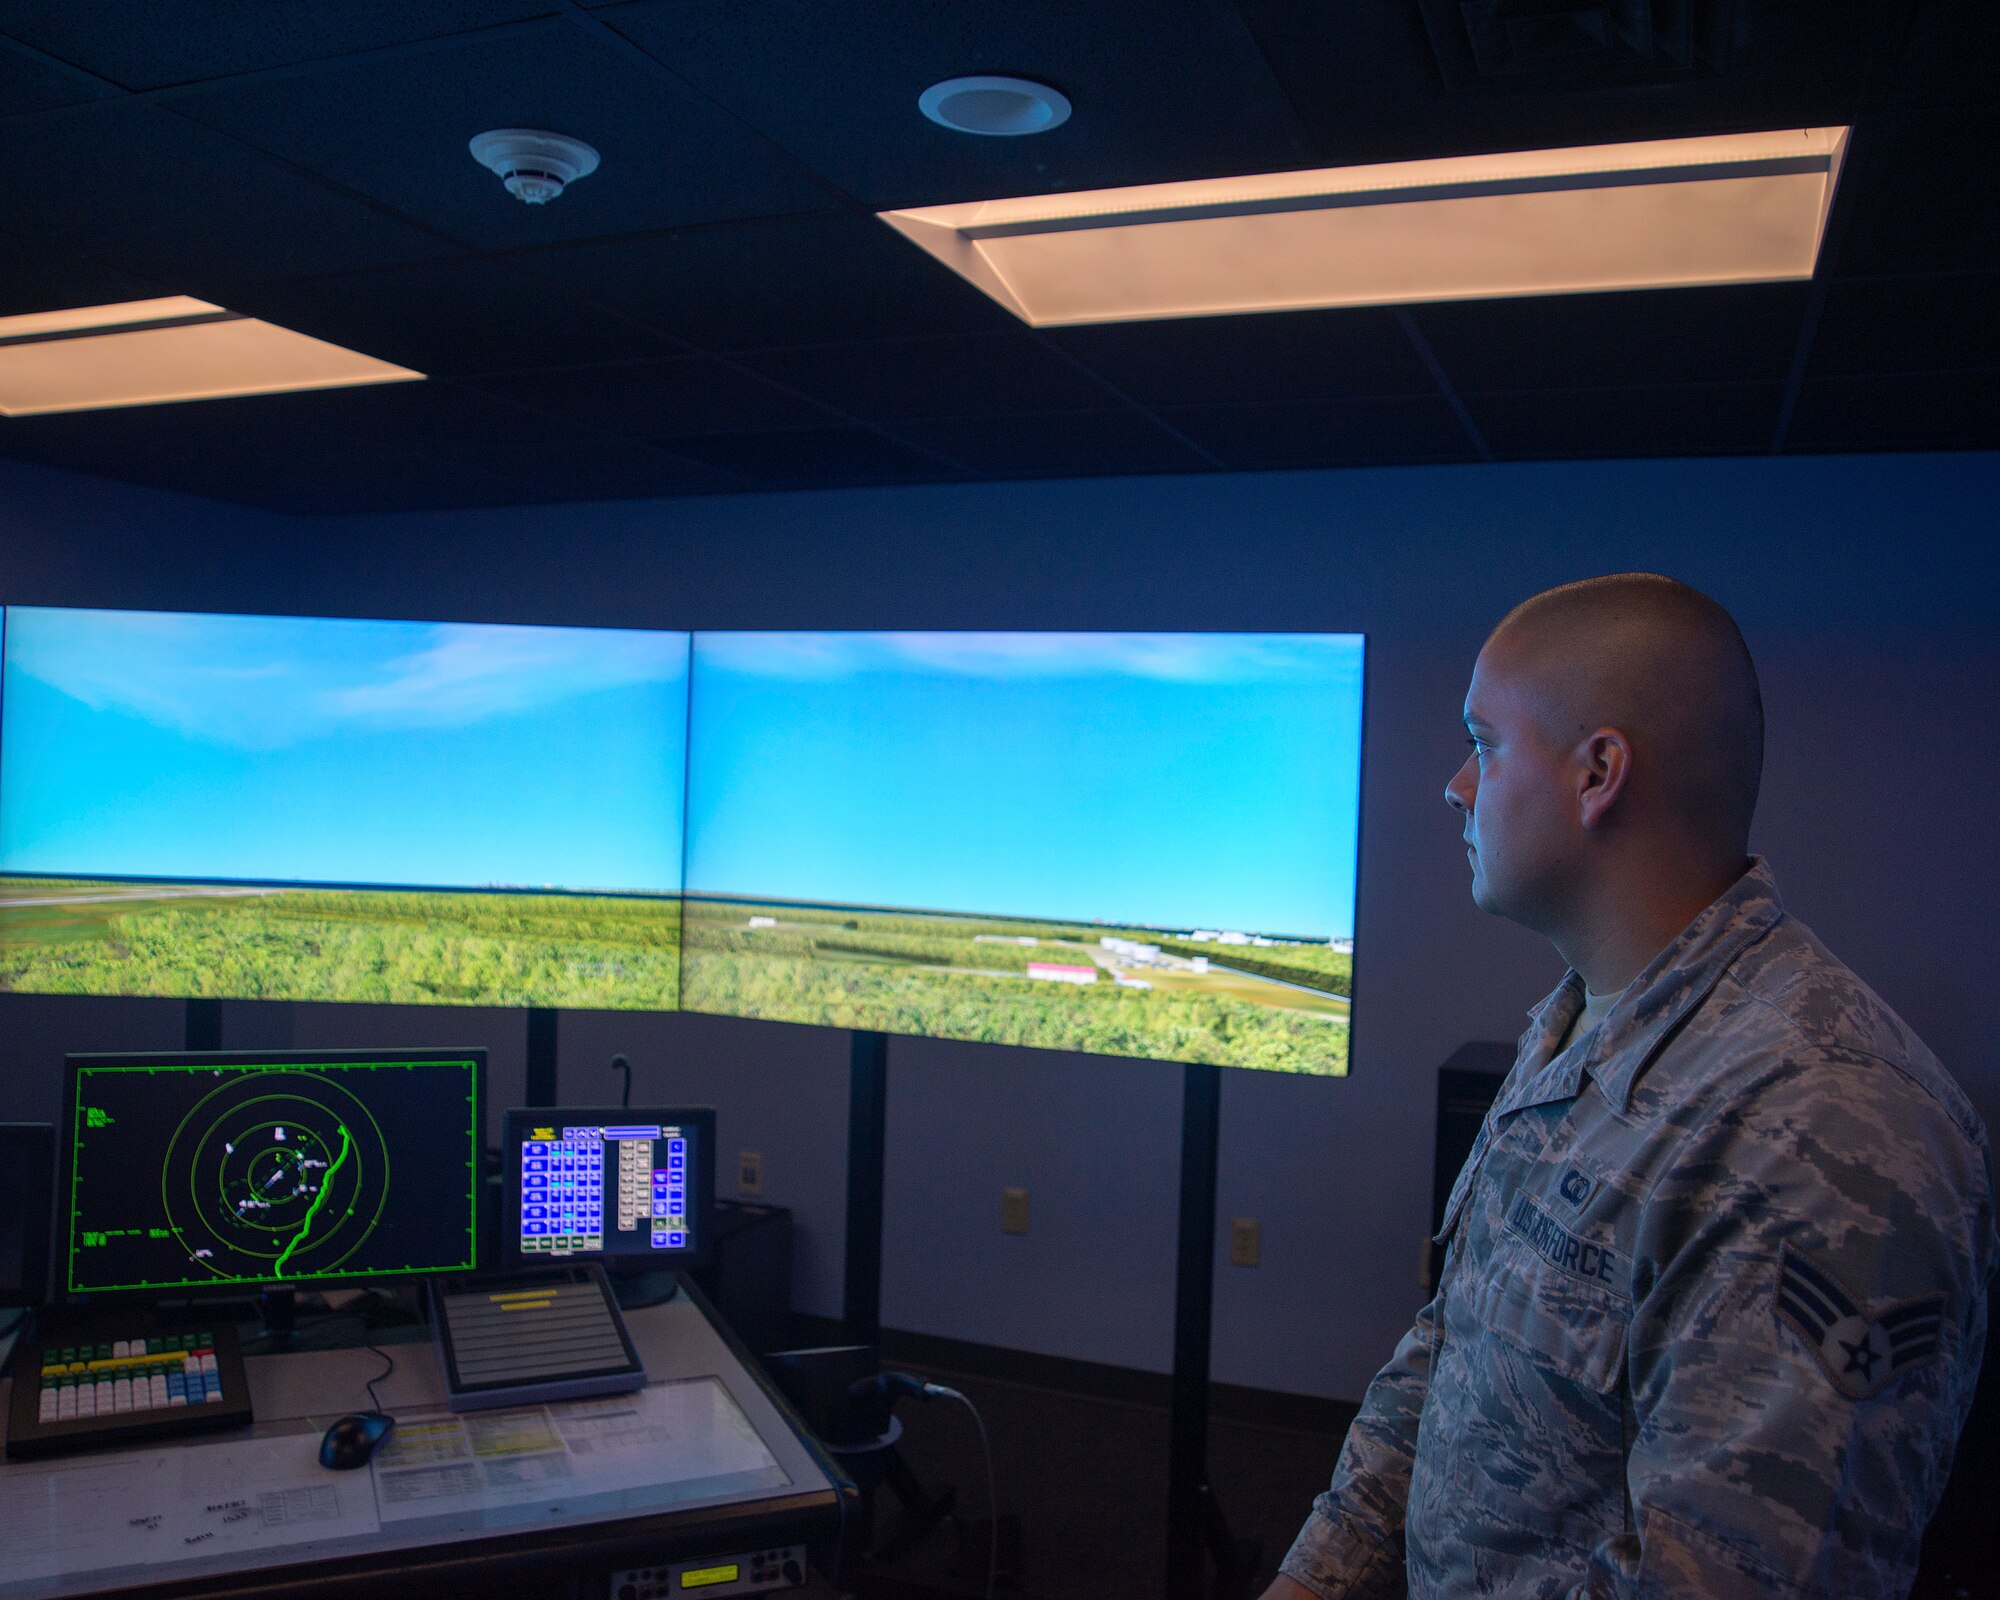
1595 1008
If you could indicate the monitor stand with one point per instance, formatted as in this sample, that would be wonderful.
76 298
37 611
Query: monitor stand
279 1307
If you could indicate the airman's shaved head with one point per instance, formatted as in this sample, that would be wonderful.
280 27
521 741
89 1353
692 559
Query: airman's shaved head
1664 664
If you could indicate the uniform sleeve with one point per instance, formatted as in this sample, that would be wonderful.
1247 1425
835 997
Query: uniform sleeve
1351 1547
1805 1353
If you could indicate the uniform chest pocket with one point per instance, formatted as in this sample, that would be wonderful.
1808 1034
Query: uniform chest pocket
1560 1298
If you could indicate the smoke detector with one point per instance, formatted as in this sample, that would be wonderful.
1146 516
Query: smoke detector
996 107
535 166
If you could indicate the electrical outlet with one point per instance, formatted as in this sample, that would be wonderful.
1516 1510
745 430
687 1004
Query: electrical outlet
749 1172
1245 1242
1013 1210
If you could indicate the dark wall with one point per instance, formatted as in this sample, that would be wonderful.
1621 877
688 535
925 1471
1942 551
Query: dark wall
1865 585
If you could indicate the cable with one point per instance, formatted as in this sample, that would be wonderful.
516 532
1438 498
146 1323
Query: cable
365 1314
621 1063
943 1392
388 1366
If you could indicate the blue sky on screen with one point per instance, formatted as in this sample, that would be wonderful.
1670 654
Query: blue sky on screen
150 744
1170 780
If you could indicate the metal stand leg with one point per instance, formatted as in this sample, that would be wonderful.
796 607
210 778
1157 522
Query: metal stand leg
1198 1534
867 1137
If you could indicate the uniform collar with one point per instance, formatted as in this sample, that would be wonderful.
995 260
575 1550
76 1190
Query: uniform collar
1652 1007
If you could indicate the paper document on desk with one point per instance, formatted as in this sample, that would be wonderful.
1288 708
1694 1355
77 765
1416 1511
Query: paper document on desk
182 1504
528 1455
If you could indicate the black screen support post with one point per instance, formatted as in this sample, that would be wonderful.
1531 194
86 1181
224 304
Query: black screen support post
541 1085
1198 1534
203 1025
867 1140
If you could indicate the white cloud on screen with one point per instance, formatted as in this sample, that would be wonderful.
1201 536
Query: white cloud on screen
268 682
1174 657
468 673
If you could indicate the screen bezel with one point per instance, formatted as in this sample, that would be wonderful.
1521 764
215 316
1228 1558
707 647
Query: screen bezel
75 1065
30 1149
513 1132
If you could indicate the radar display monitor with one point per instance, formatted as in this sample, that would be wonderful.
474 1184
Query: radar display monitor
183 1172
630 1188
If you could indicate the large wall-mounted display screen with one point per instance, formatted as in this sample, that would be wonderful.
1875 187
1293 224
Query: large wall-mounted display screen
306 808
1134 844
1131 844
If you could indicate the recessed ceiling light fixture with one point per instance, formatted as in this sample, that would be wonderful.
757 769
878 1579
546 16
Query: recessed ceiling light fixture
1000 107
149 352
1732 208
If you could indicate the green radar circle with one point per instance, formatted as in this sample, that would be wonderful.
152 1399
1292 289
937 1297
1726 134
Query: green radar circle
276 1174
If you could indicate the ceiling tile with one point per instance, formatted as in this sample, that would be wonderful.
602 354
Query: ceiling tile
1918 194
36 278
396 129
611 469
1661 336
459 316
31 82
1303 355
1066 444
1326 433
782 281
146 191
319 473
1951 55
1368 87
988 374
297 451
1162 89
816 458
1697 419
142 44
660 399
1909 325
1939 411
209 435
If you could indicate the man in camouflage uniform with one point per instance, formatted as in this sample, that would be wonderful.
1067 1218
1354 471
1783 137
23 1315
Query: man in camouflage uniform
1715 1292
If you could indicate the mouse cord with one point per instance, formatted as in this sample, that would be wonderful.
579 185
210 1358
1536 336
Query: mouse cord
366 1316
943 1392
388 1366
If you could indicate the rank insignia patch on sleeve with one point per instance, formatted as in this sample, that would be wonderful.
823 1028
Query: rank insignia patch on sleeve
1859 1352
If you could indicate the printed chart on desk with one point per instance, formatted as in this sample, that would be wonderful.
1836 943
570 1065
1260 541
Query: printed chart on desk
232 1505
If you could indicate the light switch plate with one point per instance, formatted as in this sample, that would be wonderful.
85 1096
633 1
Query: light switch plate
1013 1210
1246 1243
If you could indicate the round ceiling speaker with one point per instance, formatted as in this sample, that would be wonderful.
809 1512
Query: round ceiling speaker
998 107
535 166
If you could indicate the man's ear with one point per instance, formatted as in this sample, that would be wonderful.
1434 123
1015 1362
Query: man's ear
1607 766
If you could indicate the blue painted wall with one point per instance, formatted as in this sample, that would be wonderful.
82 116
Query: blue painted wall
1867 588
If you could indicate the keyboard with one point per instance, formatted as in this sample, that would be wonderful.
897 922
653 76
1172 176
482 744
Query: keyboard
119 1384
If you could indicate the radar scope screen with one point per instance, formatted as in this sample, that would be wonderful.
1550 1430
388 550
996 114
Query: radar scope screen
212 1172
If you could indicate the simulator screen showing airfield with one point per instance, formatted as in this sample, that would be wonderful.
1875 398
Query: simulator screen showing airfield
313 809
1133 844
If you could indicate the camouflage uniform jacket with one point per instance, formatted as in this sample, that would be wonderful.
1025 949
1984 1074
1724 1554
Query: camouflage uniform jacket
1713 1306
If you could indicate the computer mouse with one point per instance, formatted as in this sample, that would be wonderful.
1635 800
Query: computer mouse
352 1440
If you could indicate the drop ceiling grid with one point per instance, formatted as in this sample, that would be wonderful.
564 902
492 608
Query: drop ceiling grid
718 309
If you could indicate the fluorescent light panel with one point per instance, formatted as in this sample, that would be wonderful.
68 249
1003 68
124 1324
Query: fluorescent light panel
150 352
1734 208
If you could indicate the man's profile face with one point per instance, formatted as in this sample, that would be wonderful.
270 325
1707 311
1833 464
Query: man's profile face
1513 795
